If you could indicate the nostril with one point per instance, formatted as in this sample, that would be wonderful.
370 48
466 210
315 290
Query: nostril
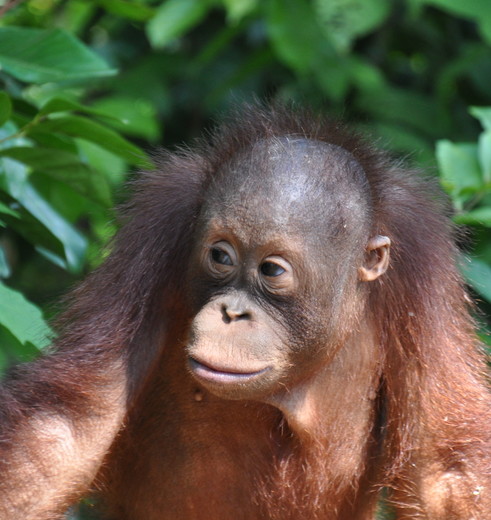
225 315
231 314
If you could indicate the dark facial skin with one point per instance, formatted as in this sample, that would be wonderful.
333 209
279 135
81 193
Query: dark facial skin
275 267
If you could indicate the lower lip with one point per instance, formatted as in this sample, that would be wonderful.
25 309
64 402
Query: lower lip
208 373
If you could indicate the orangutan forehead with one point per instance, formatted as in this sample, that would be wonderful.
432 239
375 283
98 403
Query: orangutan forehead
287 170
291 183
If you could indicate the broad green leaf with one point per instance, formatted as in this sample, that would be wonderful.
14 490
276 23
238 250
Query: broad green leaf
237 9
296 34
64 167
76 15
365 75
114 168
334 78
484 153
129 115
5 209
478 275
5 108
476 217
173 18
5 271
484 116
485 26
78 126
23 319
44 55
54 141
14 180
345 20
128 9
12 350
60 104
68 202
459 167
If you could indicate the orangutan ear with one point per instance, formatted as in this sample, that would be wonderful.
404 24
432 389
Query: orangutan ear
376 258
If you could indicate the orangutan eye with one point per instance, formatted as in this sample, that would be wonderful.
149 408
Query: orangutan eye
271 269
220 256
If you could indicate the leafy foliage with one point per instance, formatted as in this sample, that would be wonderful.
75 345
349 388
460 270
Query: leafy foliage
59 161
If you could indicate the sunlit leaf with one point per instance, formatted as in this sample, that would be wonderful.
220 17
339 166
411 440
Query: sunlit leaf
173 18
237 9
131 116
60 104
478 275
8 211
286 18
345 20
114 168
476 217
42 55
14 180
64 167
484 116
484 154
5 270
459 167
23 319
78 126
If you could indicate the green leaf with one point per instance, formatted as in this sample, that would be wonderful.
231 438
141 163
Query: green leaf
5 209
78 126
139 115
5 108
23 319
484 154
14 180
459 167
114 167
345 20
13 351
484 116
174 18
476 217
307 49
76 15
5 270
237 9
478 275
61 104
44 55
128 9
64 167
485 26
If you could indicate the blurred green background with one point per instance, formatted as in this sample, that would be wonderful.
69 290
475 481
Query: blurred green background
89 88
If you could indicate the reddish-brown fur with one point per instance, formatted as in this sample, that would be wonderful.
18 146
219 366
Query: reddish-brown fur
114 406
